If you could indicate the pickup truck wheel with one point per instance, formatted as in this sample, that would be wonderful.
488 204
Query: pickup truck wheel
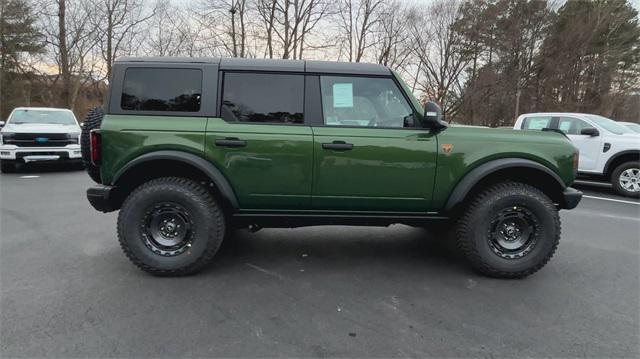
509 230
171 226
7 167
626 179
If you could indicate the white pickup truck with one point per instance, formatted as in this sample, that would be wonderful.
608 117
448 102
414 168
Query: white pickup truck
39 134
608 150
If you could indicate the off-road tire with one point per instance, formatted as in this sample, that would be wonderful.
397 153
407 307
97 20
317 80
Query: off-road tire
475 232
7 167
615 179
92 120
208 226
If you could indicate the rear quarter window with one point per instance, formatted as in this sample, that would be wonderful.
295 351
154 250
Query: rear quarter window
162 89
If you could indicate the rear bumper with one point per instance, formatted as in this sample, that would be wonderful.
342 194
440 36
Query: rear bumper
570 198
102 198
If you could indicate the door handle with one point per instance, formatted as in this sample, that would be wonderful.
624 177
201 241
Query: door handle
230 142
338 146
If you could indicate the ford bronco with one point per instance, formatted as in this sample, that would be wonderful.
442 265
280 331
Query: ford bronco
187 149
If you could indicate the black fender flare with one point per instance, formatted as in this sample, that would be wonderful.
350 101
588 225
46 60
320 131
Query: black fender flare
219 180
478 173
615 157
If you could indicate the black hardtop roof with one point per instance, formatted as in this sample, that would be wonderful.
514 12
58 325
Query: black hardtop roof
270 65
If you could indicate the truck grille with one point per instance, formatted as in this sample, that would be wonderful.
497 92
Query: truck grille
40 140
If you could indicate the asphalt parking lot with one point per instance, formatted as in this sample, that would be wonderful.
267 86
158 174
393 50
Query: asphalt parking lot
66 290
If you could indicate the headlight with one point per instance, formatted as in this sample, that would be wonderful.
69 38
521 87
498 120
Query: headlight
74 136
5 136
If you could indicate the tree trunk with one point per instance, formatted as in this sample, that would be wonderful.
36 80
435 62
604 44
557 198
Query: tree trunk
64 55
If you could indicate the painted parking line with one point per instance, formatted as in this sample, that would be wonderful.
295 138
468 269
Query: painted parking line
29 176
612 200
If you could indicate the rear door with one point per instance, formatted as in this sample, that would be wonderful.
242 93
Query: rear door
369 152
537 122
260 141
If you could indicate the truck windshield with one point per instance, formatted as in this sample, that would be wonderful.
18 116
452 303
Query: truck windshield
42 116
608 124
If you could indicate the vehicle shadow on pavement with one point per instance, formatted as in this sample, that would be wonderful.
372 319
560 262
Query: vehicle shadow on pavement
43 167
340 248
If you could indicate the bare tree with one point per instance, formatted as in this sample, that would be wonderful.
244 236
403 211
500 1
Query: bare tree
288 24
70 36
166 32
438 48
358 20
116 23
227 23
391 35
267 13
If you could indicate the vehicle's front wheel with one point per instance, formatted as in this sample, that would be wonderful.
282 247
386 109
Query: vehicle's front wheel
7 166
171 226
626 179
509 230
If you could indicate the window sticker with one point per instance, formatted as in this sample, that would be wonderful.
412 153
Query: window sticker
342 95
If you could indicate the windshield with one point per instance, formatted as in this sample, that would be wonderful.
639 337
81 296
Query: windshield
609 124
42 116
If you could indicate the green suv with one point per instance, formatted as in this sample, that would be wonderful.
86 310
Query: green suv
188 149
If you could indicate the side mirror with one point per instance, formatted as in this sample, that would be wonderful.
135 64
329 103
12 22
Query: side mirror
590 131
1 124
433 116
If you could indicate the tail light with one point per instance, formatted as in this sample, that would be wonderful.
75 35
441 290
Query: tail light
95 142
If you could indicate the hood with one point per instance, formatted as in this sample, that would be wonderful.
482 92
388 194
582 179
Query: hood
41 128
632 139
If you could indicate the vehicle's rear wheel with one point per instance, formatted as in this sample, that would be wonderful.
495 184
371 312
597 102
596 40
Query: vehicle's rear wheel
92 121
171 226
7 166
509 230
626 179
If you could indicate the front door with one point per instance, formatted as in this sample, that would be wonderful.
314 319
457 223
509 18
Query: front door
590 146
260 143
369 154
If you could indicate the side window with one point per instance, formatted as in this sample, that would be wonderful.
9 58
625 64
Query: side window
536 123
162 89
265 98
365 102
571 126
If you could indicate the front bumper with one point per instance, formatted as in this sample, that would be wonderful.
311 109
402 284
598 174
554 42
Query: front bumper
33 154
570 198
102 198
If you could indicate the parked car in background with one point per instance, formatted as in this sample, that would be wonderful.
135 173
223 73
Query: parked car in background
608 150
635 127
34 134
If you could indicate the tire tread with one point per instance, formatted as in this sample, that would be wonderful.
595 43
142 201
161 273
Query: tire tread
464 230
215 224
92 121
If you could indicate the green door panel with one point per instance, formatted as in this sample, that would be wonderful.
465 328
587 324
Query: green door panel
125 137
274 169
388 170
